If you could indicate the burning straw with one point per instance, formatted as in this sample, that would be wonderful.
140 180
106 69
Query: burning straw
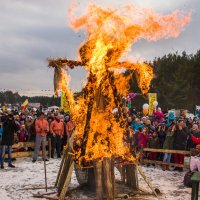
110 33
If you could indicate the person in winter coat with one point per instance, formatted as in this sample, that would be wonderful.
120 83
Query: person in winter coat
136 125
196 140
161 134
180 142
57 130
193 132
149 126
9 129
23 135
154 144
41 128
1 131
30 127
159 115
170 118
69 126
168 144
143 138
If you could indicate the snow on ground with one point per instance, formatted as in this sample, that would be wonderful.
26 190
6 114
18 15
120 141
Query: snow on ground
28 174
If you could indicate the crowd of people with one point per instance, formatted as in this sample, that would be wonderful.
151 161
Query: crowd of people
160 131
157 131
34 126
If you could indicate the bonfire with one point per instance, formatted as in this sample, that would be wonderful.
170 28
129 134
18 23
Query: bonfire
100 135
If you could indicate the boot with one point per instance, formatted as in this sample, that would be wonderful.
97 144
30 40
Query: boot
176 168
2 167
12 166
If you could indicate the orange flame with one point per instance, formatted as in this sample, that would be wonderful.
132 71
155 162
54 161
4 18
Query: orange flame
110 34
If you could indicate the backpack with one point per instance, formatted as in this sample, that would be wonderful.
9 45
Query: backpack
187 179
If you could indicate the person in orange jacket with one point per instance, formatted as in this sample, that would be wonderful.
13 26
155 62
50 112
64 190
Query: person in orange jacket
57 131
69 126
41 128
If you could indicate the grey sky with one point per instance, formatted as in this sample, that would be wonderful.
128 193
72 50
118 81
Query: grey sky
31 31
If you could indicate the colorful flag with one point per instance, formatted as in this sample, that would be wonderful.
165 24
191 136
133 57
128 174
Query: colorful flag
64 102
152 98
23 106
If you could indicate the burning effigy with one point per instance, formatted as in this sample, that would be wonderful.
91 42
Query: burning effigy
100 135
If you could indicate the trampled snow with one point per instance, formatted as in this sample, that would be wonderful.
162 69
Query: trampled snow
31 175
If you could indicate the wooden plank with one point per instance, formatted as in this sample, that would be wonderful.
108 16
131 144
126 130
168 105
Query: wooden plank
67 181
20 145
64 173
61 166
23 154
167 151
164 163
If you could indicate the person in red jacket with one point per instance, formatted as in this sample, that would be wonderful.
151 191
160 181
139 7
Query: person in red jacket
196 140
57 130
41 128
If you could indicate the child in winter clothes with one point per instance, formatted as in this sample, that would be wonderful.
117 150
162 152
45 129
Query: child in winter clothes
143 138
154 144
159 115
22 134
168 144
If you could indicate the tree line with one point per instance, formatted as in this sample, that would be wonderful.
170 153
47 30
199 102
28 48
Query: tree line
176 82
14 98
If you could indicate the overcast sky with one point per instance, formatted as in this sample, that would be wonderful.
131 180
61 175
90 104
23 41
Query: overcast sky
32 31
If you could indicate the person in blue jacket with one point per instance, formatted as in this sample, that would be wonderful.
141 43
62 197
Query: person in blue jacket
170 118
1 131
136 125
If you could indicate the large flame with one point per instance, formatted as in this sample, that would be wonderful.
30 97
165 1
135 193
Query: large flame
110 33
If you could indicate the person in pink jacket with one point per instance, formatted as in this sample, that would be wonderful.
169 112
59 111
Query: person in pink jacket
41 128
142 138
159 115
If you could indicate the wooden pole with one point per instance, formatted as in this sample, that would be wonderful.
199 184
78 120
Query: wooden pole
64 173
67 181
45 172
108 178
131 176
49 144
98 179
145 179
61 166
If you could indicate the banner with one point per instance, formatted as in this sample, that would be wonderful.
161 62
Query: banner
34 105
152 98
64 102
